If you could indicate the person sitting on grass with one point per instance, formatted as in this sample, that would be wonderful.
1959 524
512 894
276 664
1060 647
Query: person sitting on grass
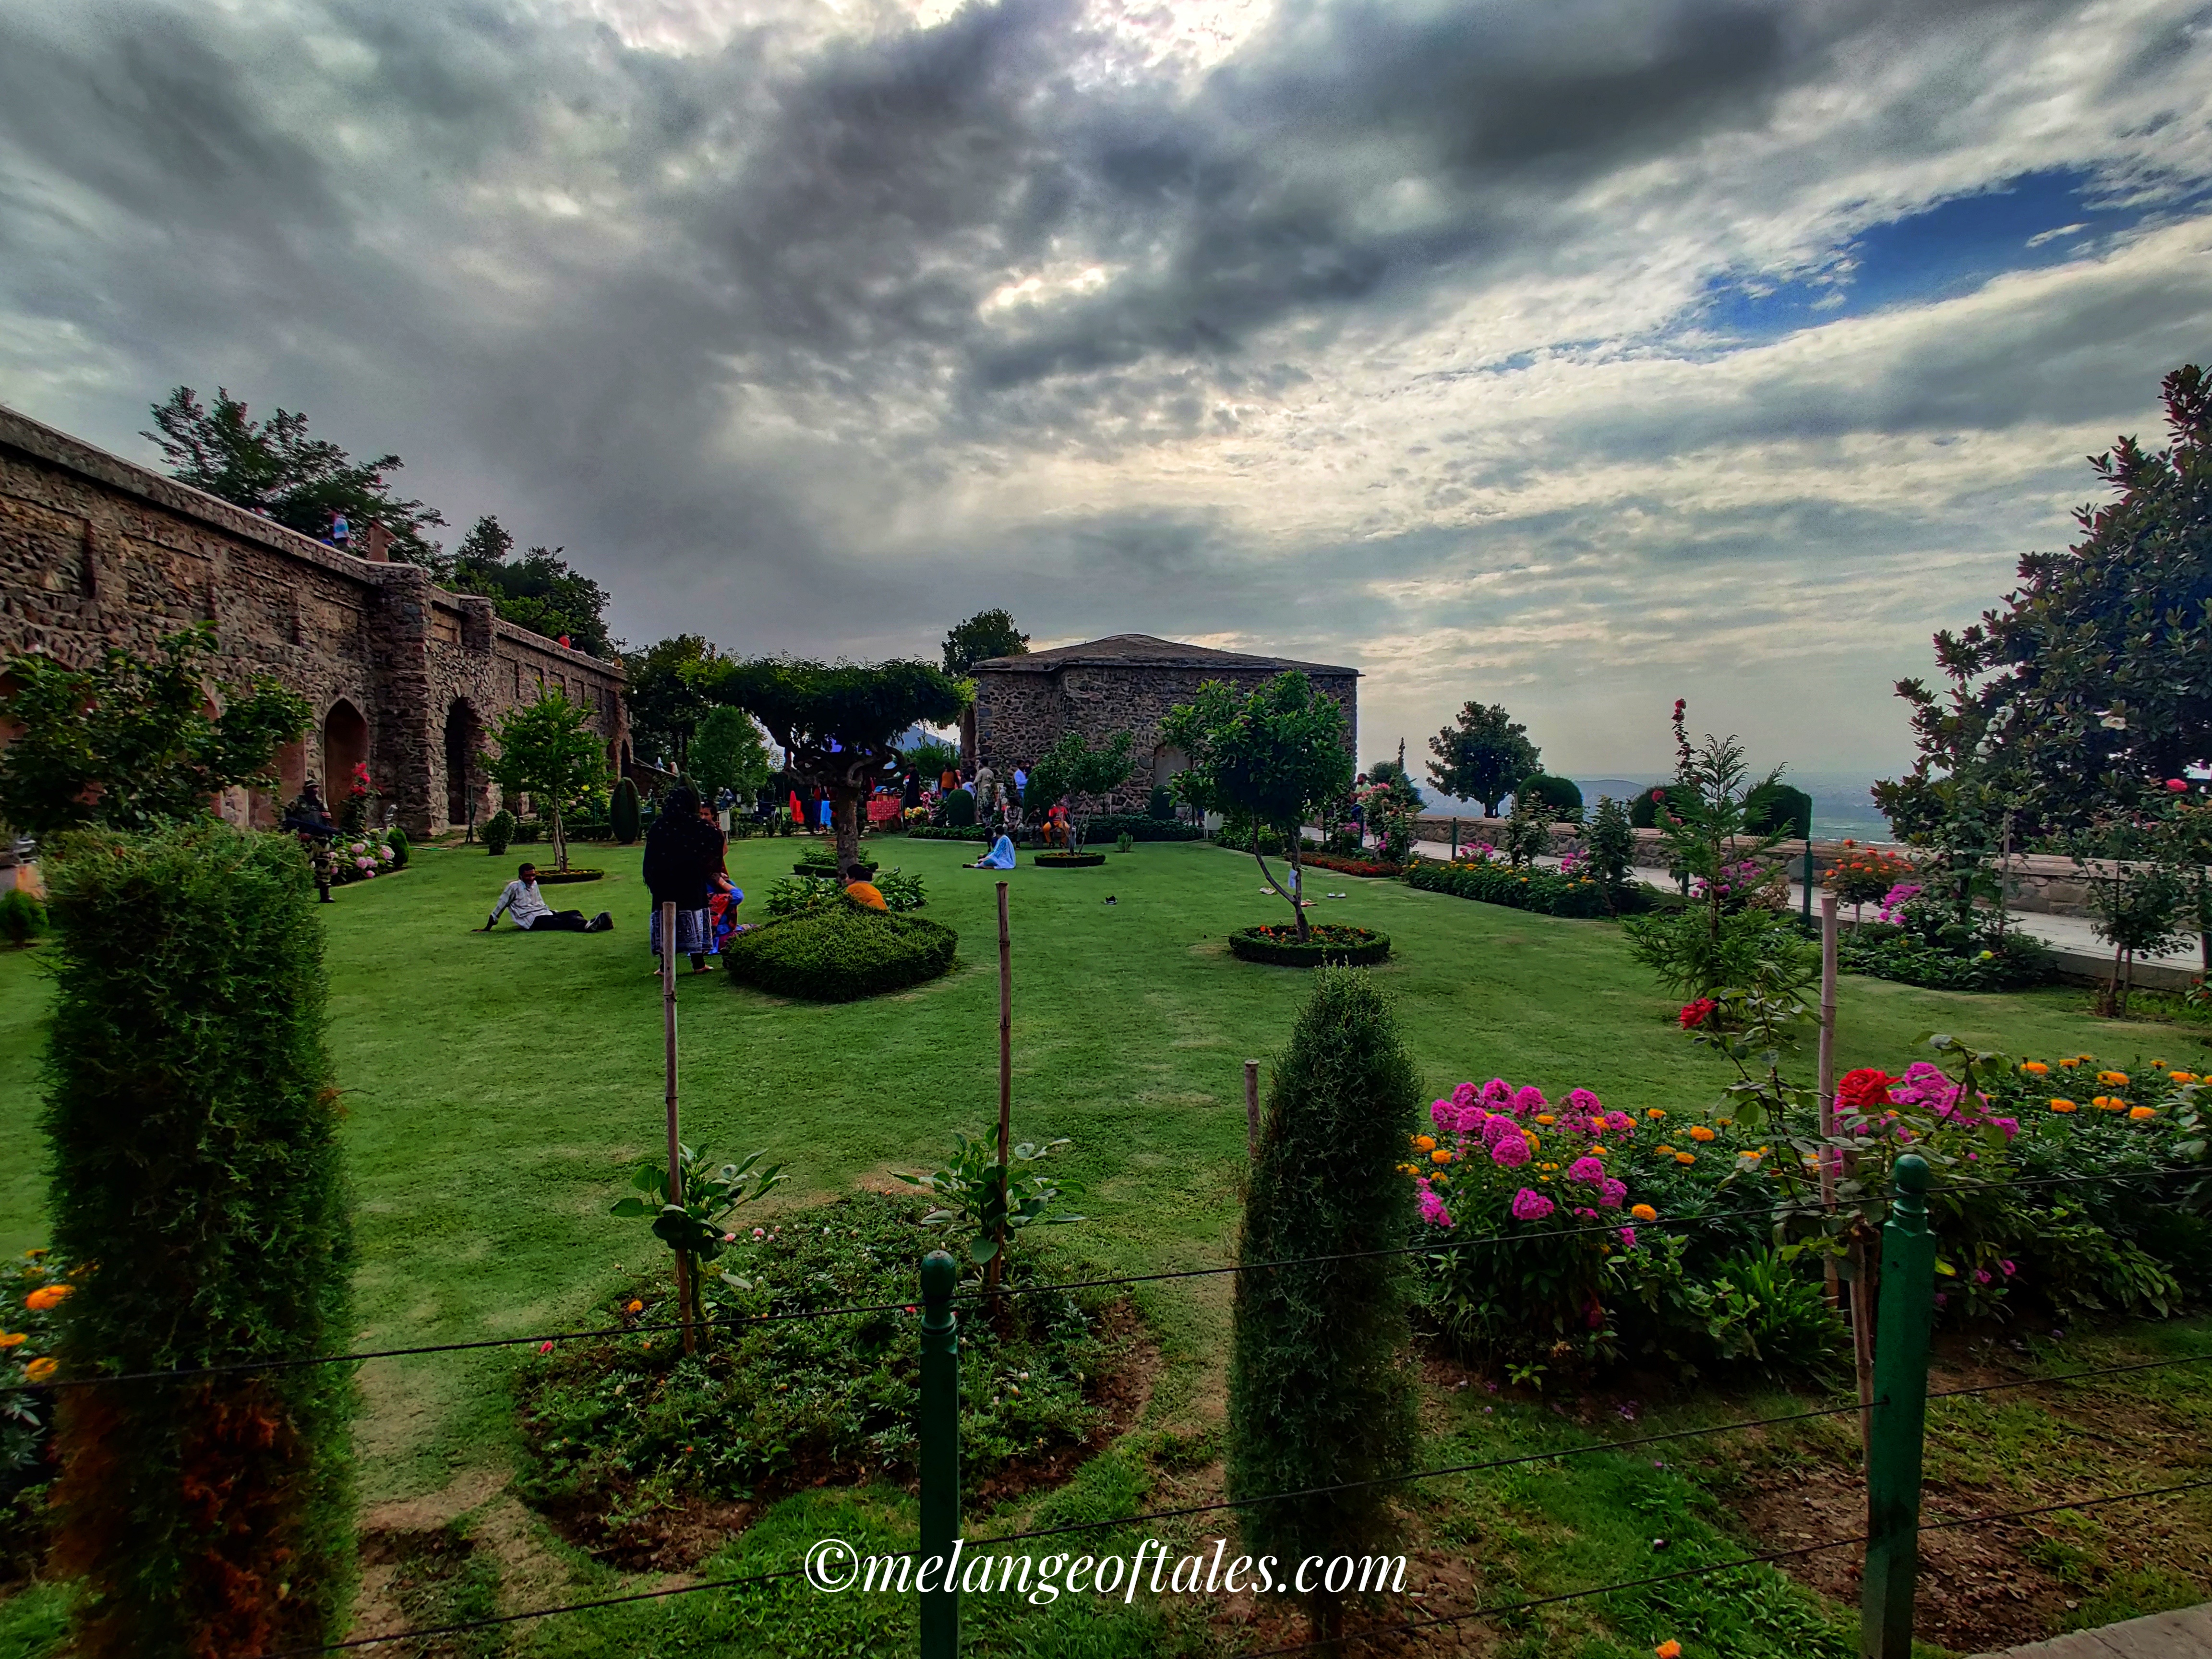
861 891
527 904
1001 857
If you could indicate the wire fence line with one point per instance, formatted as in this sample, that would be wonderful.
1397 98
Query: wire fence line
1437 1246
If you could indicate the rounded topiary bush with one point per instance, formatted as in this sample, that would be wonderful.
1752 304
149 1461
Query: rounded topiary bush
1359 947
959 810
396 839
840 952
1643 811
499 832
1562 798
1776 806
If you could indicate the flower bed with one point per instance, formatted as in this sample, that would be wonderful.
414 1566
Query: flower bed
624 1436
839 953
1357 947
1548 892
1067 860
1345 866
365 854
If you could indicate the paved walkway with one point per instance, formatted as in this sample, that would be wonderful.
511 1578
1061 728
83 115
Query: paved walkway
2184 1635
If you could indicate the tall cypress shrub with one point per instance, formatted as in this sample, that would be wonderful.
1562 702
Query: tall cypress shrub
622 813
1319 1392
195 1173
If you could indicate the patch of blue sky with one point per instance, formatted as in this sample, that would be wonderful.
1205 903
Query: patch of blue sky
1951 248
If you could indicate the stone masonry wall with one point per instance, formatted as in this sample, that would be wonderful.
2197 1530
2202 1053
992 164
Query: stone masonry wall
96 552
1019 712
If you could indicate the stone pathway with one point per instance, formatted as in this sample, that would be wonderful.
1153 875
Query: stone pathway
2184 1635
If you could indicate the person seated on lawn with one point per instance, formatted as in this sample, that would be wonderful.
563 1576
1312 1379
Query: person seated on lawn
861 891
1001 857
1055 827
527 904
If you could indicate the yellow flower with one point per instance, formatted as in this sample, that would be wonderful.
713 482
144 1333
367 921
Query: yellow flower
2142 1112
1600 1152
1700 1133
1533 1144
47 1296
1440 1156
2070 1064
1644 1212
2058 1105
1655 1113
2035 1067
1426 1143
1750 1157
1663 1152
1686 1157
1725 1122
12 1339
2112 1077
2159 1065
39 1370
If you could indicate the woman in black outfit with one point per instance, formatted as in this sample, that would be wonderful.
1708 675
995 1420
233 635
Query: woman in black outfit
683 854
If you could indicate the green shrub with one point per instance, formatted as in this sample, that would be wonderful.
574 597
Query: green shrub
945 832
1561 797
1161 805
959 810
1751 946
499 832
1772 805
1326 941
1644 810
1270 843
396 839
1547 892
26 1428
209 1514
1103 826
622 811
1987 962
1125 842
1319 1392
22 918
795 895
530 831
840 952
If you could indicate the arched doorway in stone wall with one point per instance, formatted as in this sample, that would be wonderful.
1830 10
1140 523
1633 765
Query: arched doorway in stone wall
345 745
465 773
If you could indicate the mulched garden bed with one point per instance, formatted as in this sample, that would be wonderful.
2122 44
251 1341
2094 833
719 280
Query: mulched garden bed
1345 866
1356 947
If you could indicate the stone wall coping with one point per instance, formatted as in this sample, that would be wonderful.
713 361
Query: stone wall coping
1171 654
528 639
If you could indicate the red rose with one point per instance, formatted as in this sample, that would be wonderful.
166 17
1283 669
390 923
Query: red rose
1695 1014
1868 1086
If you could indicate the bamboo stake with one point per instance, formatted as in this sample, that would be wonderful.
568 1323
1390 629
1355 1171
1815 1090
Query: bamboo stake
1826 1085
675 1153
1252 1108
1005 1086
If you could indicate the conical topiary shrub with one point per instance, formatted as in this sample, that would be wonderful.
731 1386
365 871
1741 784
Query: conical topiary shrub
622 813
1319 1394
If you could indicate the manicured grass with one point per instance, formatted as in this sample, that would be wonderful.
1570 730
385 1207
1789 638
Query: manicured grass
499 1086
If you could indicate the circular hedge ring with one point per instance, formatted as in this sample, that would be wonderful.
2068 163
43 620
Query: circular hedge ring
1067 860
1355 947
574 872
839 953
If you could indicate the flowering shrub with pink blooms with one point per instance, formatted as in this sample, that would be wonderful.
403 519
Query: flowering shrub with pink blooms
364 855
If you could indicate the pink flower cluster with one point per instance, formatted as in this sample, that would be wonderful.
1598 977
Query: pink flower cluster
1493 1129
1926 1086
1896 899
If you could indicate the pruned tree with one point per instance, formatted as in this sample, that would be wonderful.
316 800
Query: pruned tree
1484 756
1071 768
986 635
729 753
127 743
1269 760
661 684
548 751
838 724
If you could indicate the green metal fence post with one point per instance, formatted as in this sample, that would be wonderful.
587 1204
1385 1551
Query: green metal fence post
1454 851
940 1459
1900 1412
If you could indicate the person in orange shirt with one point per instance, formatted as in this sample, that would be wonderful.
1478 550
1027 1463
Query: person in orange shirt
861 891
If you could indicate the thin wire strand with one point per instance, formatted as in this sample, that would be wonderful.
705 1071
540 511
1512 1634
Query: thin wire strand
2070 1377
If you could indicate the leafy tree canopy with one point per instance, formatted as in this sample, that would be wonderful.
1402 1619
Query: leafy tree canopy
537 591
127 744
548 751
1074 768
1483 757
273 467
729 753
2092 683
663 685
986 635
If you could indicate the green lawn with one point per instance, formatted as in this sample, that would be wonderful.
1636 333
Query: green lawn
498 1085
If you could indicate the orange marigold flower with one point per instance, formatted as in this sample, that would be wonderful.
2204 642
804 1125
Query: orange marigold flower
2070 1064
39 1370
1426 1143
1686 1157
2140 1113
2181 1077
637 1307
1699 1131
1546 1119
47 1296
1668 1649
2035 1067
1663 1152
1442 1155
1644 1212
12 1339
1655 1113
2058 1105
2119 1078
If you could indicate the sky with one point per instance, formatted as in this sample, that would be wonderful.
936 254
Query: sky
1574 355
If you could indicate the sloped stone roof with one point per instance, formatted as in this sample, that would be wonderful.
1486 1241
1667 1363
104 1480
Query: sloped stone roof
1144 651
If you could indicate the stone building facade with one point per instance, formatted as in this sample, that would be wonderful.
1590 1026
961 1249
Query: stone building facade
1125 682
95 551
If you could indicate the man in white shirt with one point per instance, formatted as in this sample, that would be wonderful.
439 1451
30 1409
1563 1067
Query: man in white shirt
527 904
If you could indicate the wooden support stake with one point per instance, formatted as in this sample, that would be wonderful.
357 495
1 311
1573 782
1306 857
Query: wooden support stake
1005 1086
1252 1108
675 1140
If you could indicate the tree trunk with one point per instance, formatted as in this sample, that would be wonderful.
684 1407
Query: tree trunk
845 826
560 842
1298 886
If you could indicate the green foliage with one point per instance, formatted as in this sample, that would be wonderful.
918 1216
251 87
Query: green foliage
796 895
499 832
537 591
978 1197
2009 964
1692 955
1485 757
548 751
622 812
1161 804
396 839
273 466
1318 1391
1125 842
1325 942
728 752
2086 690
712 1194
663 686
1777 805
187 1038
1547 892
1526 836
1072 768
1643 811
958 808
1267 761
839 953
27 1453
22 918
1143 826
986 635
1561 798
615 1429
932 759
1749 1311
1609 843
125 744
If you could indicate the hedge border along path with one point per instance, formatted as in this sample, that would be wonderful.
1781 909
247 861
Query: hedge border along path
840 953
1329 944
